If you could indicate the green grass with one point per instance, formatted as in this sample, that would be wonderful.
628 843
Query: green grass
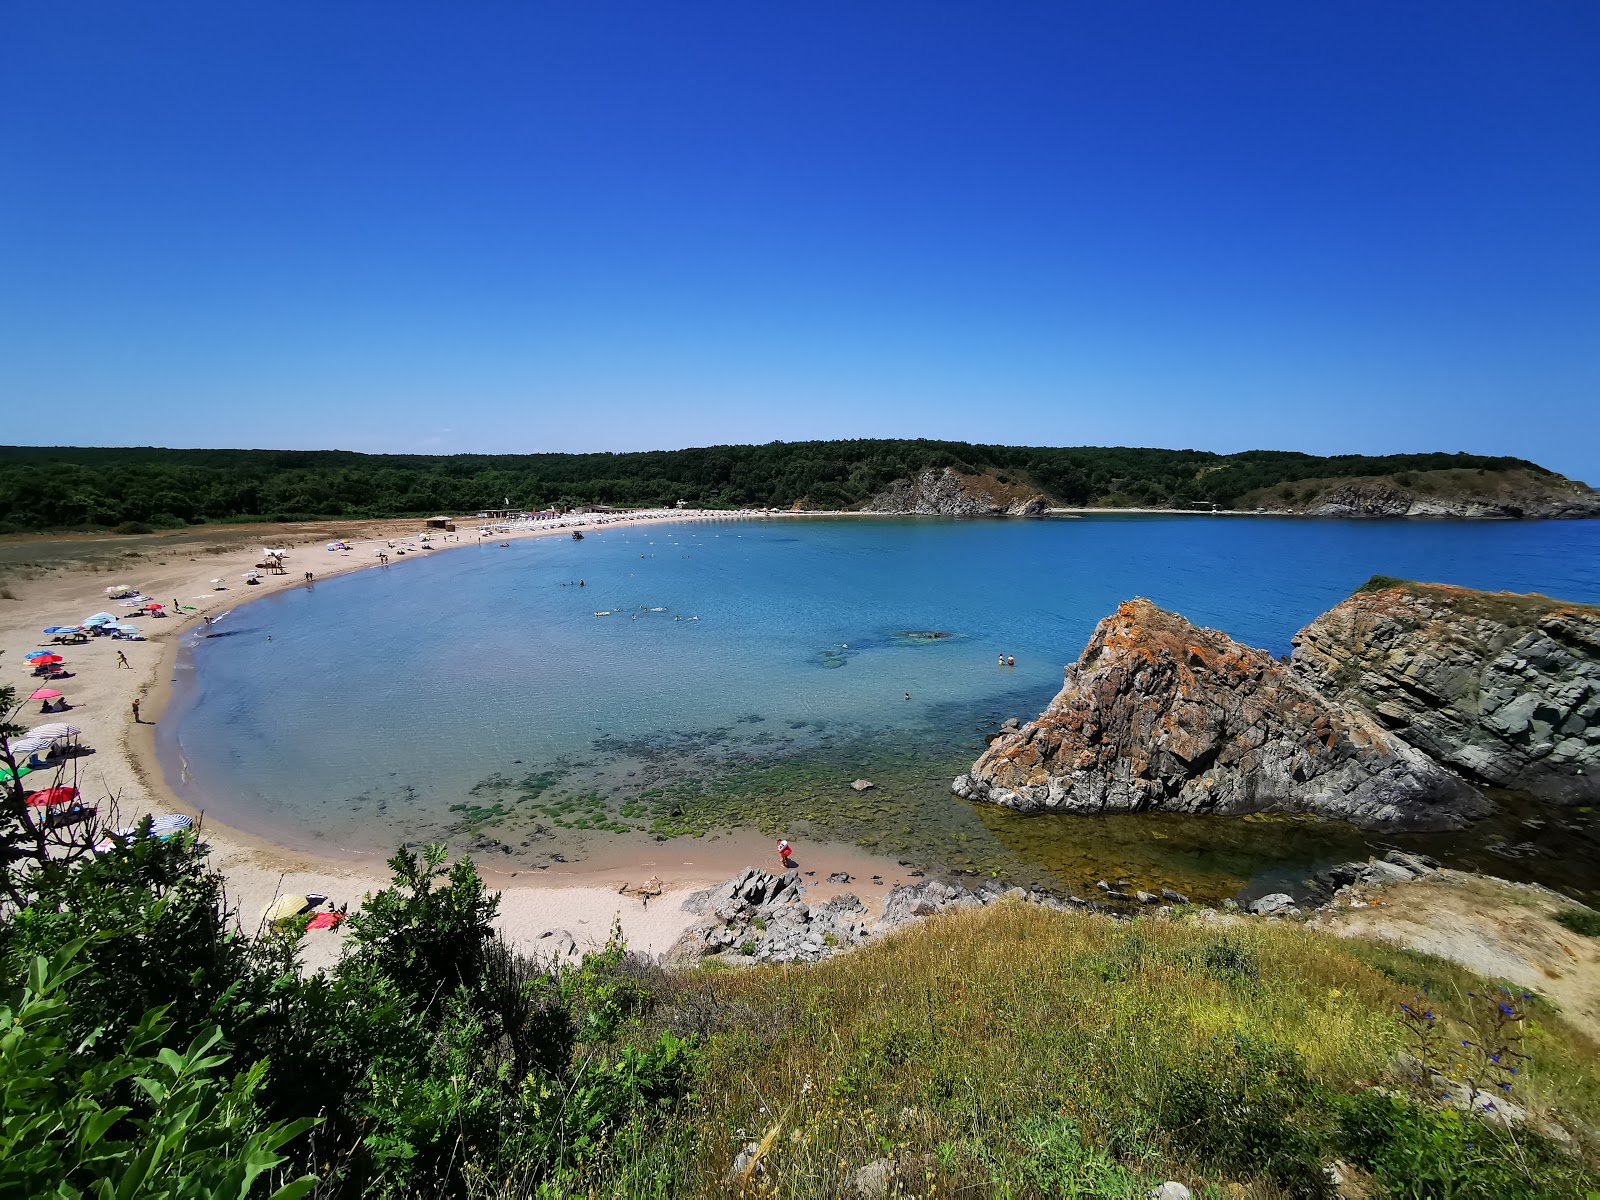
1016 1052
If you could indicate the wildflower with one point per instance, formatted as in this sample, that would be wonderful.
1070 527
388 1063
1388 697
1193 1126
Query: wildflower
1494 1058
1427 1016
1508 1010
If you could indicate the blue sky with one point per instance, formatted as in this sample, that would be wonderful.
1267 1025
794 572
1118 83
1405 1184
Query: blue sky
616 225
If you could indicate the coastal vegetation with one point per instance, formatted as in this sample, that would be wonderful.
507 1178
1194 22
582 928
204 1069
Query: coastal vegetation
147 1042
153 1043
58 487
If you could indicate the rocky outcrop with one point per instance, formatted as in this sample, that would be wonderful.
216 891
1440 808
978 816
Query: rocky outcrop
1466 495
757 917
1505 689
1159 714
949 493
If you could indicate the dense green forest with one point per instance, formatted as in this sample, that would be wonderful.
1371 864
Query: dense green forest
64 487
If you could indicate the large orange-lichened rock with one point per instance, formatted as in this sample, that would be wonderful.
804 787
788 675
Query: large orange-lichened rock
1159 714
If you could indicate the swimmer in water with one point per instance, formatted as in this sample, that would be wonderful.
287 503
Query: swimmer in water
1002 661
908 695
1011 660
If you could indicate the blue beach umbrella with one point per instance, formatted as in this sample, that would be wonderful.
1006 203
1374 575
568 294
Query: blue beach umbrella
64 629
38 654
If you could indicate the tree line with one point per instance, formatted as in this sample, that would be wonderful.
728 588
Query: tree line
51 487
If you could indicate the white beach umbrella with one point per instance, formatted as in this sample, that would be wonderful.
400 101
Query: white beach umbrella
28 744
54 730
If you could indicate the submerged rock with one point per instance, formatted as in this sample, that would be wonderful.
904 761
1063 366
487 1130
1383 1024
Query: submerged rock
1503 688
1159 714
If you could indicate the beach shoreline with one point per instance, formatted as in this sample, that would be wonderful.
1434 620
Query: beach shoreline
126 767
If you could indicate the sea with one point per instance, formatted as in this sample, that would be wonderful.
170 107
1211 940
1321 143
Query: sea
554 700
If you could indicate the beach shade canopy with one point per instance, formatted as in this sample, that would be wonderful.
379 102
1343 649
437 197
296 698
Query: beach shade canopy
46 694
153 606
285 907
35 655
134 629
64 629
28 744
54 730
51 797
45 659
100 618
160 827
10 776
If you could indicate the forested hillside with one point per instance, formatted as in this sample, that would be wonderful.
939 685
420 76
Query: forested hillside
64 487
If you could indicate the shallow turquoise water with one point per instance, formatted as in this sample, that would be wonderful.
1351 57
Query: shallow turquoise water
748 670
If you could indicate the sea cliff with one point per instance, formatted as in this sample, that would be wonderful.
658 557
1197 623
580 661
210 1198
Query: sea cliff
1502 688
949 493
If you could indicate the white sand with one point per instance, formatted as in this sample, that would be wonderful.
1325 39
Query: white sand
179 566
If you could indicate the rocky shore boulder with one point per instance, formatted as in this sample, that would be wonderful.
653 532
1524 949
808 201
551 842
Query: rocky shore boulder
1159 714
1503 688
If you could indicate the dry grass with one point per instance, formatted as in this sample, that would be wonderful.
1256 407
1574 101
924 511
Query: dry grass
1016 1052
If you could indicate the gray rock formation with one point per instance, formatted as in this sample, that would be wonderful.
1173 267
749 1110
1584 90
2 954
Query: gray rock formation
1159 714
948 493
1543 498
1505 689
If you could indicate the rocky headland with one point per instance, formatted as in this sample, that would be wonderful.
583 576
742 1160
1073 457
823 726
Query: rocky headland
1504 689
1472 495
1159 714
949 493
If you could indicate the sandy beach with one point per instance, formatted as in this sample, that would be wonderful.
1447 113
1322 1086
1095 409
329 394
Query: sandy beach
61 579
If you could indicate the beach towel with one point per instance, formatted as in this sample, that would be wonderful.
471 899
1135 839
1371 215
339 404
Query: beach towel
325 920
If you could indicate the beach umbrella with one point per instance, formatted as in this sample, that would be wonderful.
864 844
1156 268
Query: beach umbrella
10 776
28 744
37 654
63 629
46 694
284 907
50 797
55 730
45 659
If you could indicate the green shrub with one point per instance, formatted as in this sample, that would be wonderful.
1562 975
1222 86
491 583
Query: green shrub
1422 1153
134 527
1580 920
1246 1106
130 1118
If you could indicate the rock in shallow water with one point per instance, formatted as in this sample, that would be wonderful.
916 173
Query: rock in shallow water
1159 714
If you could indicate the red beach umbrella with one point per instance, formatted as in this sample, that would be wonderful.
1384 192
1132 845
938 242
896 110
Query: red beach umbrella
46 694
50 797
46 660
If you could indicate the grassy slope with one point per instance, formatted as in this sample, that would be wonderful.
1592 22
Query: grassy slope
1016 1052
1517 610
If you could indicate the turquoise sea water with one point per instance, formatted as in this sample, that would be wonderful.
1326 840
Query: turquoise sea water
749 670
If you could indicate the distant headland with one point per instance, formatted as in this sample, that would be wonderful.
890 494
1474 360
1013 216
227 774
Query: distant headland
65 487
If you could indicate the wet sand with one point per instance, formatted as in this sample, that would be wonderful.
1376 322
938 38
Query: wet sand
61 579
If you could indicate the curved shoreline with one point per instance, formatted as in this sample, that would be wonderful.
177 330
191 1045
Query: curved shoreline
125 769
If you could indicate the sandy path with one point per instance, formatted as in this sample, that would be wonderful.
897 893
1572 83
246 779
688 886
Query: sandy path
61 580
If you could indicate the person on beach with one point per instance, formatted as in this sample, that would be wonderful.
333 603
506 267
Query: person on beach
136 718
122 660
784 852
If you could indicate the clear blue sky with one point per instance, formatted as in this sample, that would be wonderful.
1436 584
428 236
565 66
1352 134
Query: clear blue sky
619 225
